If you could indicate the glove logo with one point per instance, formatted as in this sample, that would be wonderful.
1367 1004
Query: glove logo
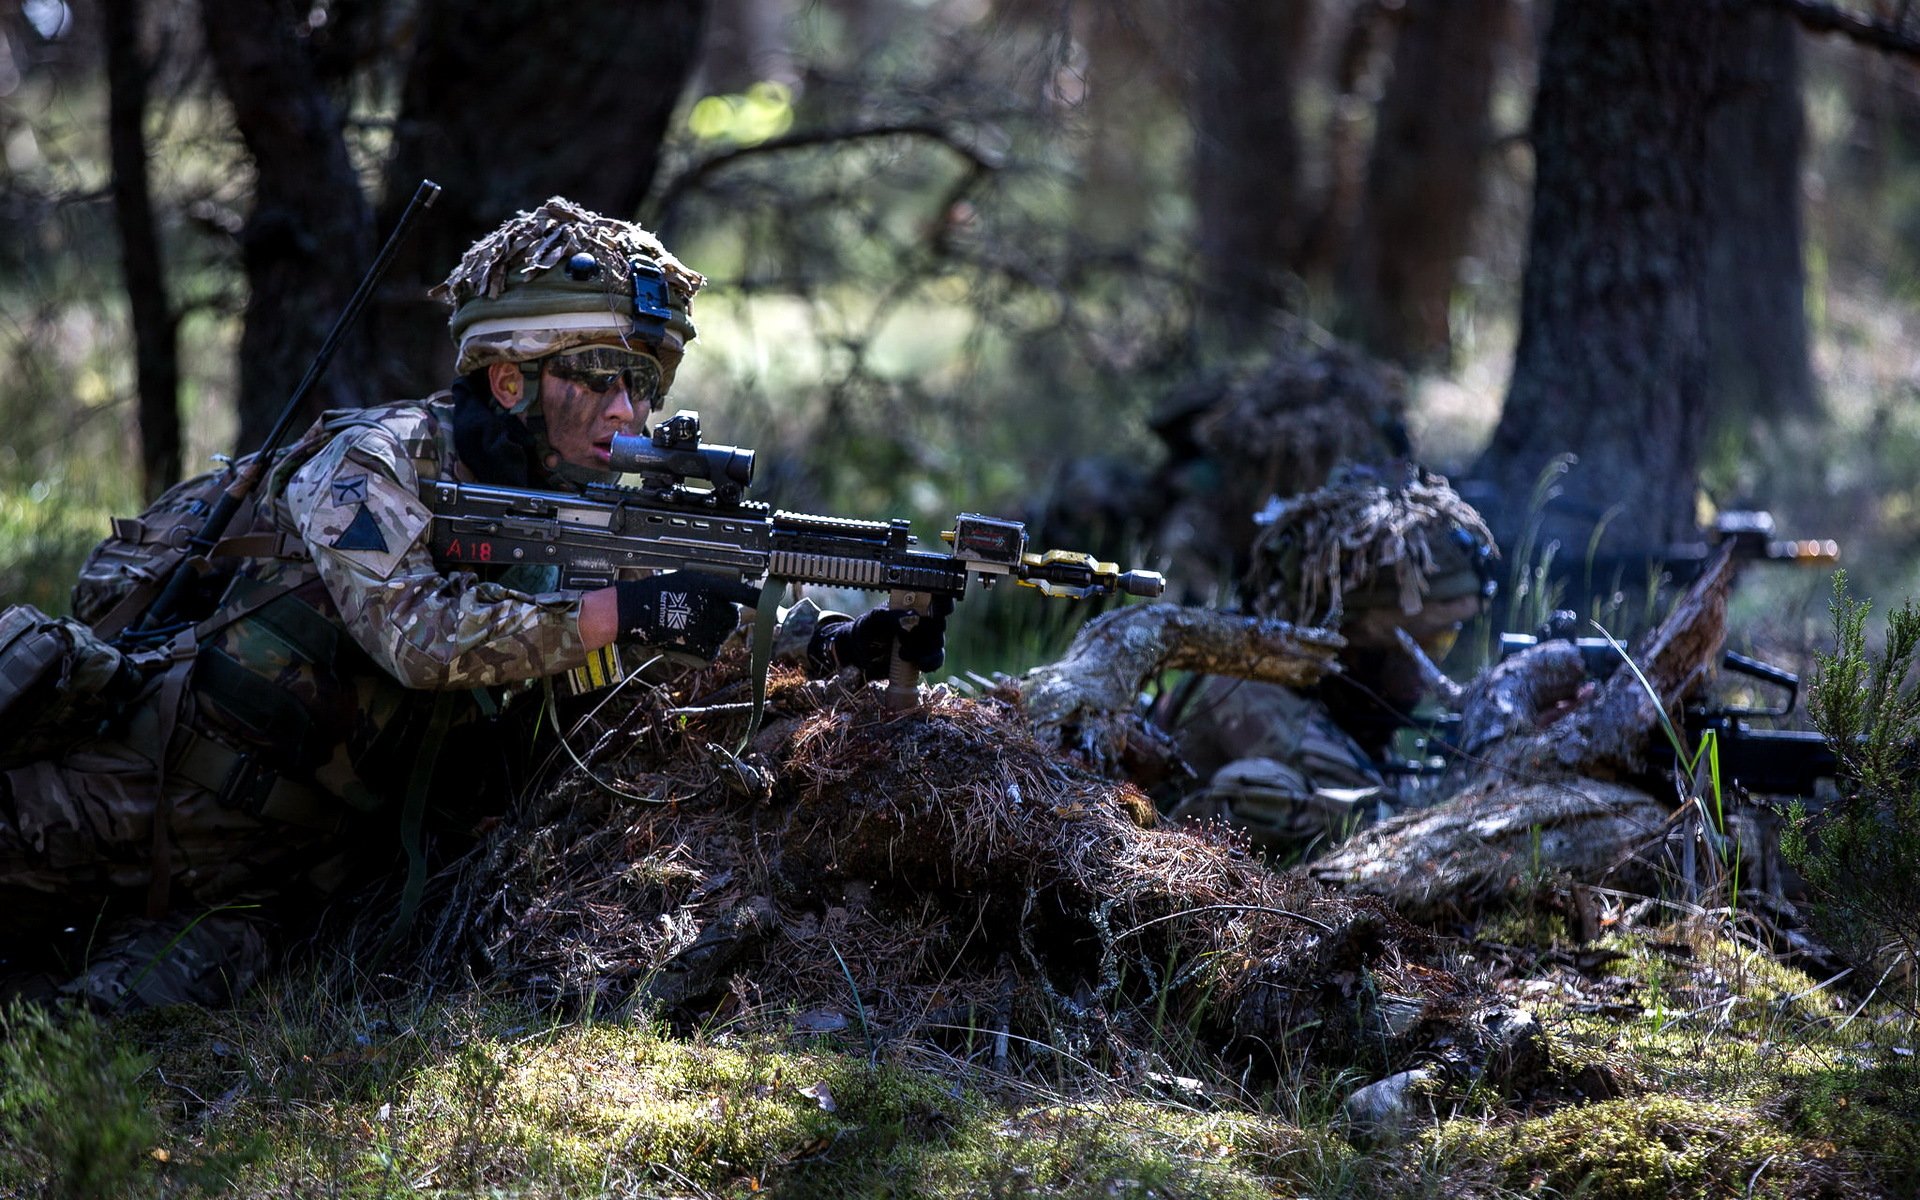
675 611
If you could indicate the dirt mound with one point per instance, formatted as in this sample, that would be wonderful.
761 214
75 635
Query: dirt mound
934 873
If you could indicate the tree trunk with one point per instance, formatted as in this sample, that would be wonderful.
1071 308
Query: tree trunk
310 234
747 42
156 357
1756 276
1126 51
505 105
1246 160
1423 179
1612 361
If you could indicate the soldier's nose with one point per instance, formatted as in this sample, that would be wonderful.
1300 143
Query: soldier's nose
619 409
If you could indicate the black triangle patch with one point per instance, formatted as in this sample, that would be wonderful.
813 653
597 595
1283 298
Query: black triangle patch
363 533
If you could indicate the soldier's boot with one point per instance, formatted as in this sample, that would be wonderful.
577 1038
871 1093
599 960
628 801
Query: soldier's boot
209 960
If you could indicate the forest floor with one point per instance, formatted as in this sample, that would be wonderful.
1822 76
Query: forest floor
902 956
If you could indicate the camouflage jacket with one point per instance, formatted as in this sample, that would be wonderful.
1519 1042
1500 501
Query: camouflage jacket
1276 765
325 680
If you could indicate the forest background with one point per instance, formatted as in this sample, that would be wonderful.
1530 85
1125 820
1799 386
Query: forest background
1122 268
973 254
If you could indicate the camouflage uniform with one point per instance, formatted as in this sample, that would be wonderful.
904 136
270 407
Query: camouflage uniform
319 690
1368 553
312 687
1276 765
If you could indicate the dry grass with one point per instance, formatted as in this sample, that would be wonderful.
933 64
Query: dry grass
934 873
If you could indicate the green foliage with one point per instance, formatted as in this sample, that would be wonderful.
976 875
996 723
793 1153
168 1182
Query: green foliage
1642 1148
73 1115
1860 852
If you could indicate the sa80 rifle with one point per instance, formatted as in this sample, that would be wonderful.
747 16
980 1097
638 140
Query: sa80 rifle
667 524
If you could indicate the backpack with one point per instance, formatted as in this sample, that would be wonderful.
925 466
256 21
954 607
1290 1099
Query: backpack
63 679
59 682
124 574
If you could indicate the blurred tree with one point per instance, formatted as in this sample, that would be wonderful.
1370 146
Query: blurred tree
1125 74
1612 361
477 114
1423 180
748 42
1758 361
156 350
505 104
1356 69
1246 160
309 234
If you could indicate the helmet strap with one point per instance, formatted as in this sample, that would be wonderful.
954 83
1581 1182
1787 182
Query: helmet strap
530 389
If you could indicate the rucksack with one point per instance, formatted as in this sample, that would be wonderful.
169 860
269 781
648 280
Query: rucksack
123 575
63 679
59 683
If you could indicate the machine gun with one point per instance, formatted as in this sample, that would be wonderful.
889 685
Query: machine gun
1773 762
665 523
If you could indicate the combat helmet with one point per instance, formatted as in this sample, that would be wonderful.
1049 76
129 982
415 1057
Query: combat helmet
1398 538
560 278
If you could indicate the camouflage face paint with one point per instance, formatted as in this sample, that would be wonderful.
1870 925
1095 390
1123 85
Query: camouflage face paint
580 422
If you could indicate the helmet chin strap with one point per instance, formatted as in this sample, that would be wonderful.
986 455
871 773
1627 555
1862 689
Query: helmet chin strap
530 389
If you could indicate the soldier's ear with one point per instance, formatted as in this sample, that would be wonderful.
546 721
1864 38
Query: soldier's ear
506 382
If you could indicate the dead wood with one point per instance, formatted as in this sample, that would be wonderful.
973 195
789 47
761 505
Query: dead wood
1550 757
1085 702
1606 733
1498 840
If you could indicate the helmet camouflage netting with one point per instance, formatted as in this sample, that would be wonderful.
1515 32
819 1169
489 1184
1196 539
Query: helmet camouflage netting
1367 539
516 296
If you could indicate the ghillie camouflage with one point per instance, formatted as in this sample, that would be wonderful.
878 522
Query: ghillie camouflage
1366 538
516 298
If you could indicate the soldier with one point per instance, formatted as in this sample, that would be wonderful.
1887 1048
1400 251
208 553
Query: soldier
343 661
1383 560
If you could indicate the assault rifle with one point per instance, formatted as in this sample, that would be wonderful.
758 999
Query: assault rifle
667 524
1773 762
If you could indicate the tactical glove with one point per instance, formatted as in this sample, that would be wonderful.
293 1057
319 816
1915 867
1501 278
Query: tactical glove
685 612
868 641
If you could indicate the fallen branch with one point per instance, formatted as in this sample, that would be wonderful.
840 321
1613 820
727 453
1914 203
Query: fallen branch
1085 700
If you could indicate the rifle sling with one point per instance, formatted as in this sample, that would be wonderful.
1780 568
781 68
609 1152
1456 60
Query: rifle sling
413 825
766 618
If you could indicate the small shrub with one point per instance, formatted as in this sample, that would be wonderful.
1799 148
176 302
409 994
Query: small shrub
73 1116
1859 853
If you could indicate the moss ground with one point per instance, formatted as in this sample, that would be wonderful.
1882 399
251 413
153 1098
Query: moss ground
1728 1075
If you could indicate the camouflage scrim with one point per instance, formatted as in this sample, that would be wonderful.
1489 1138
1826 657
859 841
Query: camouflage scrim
515 297
356 505
1388 538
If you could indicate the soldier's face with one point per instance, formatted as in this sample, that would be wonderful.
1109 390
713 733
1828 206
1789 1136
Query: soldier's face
1374 655
581 421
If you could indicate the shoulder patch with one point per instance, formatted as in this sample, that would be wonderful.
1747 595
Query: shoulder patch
368 537
363 532
349 489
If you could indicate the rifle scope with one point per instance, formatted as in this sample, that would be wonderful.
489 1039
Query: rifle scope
674 449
